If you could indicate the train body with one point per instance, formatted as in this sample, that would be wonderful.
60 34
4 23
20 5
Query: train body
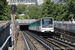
42 25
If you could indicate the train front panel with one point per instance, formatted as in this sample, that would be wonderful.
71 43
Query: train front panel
47 25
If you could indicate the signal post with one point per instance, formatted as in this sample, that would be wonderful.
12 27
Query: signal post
13 39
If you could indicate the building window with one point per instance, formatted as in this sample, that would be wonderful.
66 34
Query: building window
10 0
14 0
34 0
17 0
28 0
20 1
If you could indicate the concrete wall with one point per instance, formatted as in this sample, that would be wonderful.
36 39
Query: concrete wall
26 20
4 33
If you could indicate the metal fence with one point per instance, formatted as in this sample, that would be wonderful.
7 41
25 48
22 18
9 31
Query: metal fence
5 36
4 44
65 25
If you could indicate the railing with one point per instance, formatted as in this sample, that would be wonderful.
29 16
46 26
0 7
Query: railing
5 36
1 48
65 29
68 25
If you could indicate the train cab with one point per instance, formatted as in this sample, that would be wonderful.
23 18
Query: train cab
47 25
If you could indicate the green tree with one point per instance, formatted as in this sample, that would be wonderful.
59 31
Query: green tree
7 14
69 9
57 11
34 12
48 9
21 8
17 16
4 10
26 17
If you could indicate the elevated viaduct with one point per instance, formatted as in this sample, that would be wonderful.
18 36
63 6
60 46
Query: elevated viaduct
64 29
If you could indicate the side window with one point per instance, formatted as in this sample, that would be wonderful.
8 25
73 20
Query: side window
40 23
53 23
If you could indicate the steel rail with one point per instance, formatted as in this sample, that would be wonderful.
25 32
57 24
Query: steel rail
52 42
60 44
65 46
59 39
67 36
5 42
65 42
54 47
32 42
25 41
49 48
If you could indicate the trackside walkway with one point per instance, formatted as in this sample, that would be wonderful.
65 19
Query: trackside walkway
20 42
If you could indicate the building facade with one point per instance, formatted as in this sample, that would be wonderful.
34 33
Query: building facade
26 2
40 2
59 1
33 2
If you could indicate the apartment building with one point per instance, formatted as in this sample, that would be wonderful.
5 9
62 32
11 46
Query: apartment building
33 2
26 2
59 1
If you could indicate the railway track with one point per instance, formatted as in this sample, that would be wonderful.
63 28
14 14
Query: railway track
30 45
71 41
60 45
53 43
33 44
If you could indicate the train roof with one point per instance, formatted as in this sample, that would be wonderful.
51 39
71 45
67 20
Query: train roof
40 19
47 17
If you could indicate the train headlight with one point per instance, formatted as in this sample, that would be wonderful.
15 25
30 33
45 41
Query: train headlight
52 30
43 30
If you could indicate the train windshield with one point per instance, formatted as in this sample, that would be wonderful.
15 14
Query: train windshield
47 21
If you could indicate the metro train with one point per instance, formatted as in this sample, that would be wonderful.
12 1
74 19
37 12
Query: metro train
43 25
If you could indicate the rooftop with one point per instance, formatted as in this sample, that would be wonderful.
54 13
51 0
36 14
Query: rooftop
3 23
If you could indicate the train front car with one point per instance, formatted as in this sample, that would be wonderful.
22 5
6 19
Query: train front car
47 25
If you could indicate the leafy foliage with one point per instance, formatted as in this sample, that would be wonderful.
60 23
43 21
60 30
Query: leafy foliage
33 11
4 10
47 9
57 11
21 8
17 16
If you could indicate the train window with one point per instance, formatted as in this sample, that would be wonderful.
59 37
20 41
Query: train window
46 21
40 23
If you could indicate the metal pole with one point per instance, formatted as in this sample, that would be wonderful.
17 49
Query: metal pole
13 7
56 22
12 29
